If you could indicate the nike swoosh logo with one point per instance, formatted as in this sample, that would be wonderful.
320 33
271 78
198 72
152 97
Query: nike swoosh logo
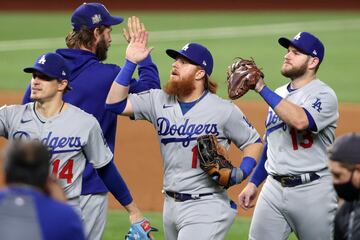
167 106
25 121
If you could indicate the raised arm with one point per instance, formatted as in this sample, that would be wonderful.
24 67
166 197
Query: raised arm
147 70
290 113
136 52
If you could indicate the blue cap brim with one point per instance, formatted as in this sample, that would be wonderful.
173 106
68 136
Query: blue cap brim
113 21
35 69
174 54
284 42
287 42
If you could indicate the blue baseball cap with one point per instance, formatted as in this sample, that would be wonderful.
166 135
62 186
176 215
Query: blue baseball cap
93 15
306 43
346 149
52 65
195 53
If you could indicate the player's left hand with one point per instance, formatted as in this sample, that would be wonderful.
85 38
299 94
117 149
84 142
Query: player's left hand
247 196
141 231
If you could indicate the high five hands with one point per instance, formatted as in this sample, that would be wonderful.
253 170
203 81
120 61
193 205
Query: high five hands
137 36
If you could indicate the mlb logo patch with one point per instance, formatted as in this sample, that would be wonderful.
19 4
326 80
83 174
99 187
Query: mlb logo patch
96 18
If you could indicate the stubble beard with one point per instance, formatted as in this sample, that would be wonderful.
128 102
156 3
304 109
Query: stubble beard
295 72
182 88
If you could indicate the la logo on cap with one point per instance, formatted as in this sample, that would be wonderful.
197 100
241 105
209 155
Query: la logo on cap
298 36
96 18
204 63
63 73
42 60
185 47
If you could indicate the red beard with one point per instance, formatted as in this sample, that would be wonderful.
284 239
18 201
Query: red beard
181 88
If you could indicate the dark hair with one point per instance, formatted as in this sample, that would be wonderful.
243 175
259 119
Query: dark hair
27 162
83 37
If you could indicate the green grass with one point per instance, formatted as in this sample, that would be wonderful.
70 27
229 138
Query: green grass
118 226
339 68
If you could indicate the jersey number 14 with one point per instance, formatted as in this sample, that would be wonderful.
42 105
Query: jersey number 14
66 172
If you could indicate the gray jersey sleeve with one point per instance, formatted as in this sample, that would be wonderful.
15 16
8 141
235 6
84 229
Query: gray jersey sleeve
323 107
143 105
4 126
96 149
239 129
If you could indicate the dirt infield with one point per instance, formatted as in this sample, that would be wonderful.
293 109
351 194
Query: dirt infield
138 157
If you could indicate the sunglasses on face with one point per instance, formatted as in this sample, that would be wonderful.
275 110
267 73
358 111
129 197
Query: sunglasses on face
42 76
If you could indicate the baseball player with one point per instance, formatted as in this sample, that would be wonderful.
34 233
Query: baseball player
195 206
70 133
27 212
91 79
298 195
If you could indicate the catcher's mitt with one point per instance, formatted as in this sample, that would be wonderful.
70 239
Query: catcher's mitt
140 231
242 75
213 159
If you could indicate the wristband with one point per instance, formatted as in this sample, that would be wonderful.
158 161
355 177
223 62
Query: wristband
124 76
270 97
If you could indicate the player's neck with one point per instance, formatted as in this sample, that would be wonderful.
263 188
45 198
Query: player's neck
195 95
302 81
93 50
49 109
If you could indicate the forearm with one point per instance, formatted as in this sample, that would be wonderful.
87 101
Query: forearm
120 88
148 77
135 215
287 111
260 172
115 183
248 163
251 156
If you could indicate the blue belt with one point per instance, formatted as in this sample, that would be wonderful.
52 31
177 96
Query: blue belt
182 197
295 180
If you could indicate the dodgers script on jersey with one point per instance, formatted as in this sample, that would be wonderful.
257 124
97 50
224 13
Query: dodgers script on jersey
297 152
72 136
177 135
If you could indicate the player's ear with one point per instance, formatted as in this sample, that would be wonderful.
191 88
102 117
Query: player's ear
200 74
97 34
62 84
313 62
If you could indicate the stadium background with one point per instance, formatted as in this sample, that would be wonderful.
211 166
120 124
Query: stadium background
230 29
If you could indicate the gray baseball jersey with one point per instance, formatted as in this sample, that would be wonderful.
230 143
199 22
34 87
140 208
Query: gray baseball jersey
177 134
281 210
297 152
72 136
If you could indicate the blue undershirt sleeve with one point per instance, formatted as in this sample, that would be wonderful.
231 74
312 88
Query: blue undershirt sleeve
260 172
118 107
148 77
115 183
312 125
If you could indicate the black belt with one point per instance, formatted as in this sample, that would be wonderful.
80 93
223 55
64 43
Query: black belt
295 180
182 197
